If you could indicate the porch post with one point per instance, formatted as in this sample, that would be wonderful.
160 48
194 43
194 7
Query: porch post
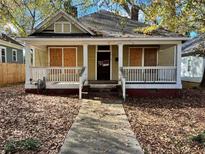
178 64
120 59
85 59
27 63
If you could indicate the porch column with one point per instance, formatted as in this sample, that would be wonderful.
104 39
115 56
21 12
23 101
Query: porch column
120 59
178 64
85 59
27 63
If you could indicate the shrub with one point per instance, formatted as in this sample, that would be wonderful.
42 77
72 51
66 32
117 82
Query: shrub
27 144
199 138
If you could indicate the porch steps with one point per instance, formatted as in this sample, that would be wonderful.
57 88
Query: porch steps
102 91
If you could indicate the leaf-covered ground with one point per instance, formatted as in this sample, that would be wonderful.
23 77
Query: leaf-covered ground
46 118
166 125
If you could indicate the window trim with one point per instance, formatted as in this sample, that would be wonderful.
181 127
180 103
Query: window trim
62 27
2 47
14 50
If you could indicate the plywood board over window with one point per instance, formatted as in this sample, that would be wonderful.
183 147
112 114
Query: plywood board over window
55 56
150 56
135 57
69 57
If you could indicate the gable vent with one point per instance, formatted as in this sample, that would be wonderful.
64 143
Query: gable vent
62 27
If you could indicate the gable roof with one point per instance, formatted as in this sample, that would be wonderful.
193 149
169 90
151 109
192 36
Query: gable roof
46 23
6 38
103 24
109 24
189 47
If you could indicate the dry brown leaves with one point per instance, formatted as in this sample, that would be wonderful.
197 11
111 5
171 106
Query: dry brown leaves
165 125
46 118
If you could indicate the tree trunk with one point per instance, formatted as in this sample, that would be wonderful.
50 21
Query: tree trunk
203 80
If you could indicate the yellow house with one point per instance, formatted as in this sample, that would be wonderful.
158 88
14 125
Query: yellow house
101 48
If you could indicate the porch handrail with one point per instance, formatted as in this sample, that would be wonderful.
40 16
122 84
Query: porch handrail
123 83
56 67
149 67
150 74
56 74
82 79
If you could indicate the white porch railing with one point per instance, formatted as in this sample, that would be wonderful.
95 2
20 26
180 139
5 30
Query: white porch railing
158 74
56 74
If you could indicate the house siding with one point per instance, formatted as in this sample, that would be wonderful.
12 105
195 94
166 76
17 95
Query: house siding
20 58
41 58
91 62
166 57
74 29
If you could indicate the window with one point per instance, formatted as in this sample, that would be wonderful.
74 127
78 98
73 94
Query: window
14 55
2 54
62 27
189 65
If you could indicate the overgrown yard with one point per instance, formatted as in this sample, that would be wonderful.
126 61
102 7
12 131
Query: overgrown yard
167 125
46 119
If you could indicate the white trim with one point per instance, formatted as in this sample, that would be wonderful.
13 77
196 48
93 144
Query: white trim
5 49
62 27
175 55
120 61
28 64
76 49
49 57
96 57
163 39
179 47
143 56
153 86
85 60
63 57
14 50
57 16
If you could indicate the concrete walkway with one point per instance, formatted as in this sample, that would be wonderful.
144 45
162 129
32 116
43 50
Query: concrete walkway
101 128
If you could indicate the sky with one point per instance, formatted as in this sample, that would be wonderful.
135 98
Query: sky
92 9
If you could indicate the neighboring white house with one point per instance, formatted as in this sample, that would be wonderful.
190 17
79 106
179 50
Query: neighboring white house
192 63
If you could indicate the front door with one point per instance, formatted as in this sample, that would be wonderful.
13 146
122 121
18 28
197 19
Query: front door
103 65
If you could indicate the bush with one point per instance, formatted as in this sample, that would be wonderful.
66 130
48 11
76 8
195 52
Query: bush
199 138
27 144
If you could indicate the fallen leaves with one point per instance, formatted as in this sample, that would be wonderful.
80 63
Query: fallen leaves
166 125
46 118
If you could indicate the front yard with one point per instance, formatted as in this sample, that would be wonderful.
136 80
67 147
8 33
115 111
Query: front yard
167 125
43 118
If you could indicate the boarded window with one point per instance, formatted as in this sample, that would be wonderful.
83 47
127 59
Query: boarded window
56 57
70 57
150 56
135 56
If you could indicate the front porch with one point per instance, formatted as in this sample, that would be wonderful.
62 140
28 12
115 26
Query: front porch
131 66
